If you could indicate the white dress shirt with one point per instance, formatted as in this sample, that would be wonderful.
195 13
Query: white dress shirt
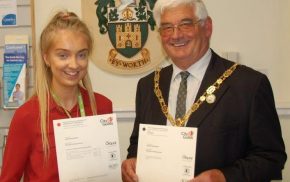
197 71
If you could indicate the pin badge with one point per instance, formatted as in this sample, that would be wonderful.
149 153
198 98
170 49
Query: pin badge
210 99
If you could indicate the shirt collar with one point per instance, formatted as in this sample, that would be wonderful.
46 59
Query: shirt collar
197 69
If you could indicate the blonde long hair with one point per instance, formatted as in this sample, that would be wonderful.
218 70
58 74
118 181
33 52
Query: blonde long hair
43 75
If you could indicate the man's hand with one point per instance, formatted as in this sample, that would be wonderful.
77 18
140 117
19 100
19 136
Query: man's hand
213 175
129 170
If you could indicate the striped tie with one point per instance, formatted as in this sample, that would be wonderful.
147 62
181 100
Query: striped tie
181 96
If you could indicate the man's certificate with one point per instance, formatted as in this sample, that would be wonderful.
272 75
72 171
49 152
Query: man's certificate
166 153
87 149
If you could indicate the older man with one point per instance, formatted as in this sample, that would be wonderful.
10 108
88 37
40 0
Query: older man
239 135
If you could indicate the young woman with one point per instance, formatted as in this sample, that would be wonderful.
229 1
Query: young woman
63 90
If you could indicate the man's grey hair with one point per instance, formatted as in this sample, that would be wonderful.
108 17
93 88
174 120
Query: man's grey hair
160 5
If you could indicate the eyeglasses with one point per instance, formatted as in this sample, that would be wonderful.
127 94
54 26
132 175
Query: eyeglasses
184 26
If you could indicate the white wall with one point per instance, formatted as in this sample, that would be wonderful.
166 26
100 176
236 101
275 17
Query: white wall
257 29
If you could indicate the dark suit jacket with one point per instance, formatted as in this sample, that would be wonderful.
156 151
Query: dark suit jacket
239 133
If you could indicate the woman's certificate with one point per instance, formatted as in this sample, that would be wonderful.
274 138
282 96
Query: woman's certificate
87 149
166 153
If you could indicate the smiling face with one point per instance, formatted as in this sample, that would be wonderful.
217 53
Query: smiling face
185 47
67 58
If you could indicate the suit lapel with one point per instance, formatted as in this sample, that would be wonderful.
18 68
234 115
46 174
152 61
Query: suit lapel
213 72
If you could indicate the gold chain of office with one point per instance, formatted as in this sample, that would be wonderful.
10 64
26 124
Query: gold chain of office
180 122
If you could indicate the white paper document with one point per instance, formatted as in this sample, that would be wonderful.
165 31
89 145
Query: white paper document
87 149
166 153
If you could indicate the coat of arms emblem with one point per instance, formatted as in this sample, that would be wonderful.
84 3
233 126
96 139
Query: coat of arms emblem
127 24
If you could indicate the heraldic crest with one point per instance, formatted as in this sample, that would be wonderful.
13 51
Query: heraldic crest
127 27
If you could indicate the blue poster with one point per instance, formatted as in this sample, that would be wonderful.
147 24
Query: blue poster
14 84
8 13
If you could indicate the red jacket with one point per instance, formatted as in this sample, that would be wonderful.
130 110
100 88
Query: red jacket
23 152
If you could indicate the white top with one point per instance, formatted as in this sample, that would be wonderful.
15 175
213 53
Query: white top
197 71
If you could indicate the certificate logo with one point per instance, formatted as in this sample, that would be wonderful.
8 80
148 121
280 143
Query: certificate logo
187 135
112 155
110 143
108 121
187 158
187 170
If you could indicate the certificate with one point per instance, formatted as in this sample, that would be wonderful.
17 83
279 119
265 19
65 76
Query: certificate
166 153
87 149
